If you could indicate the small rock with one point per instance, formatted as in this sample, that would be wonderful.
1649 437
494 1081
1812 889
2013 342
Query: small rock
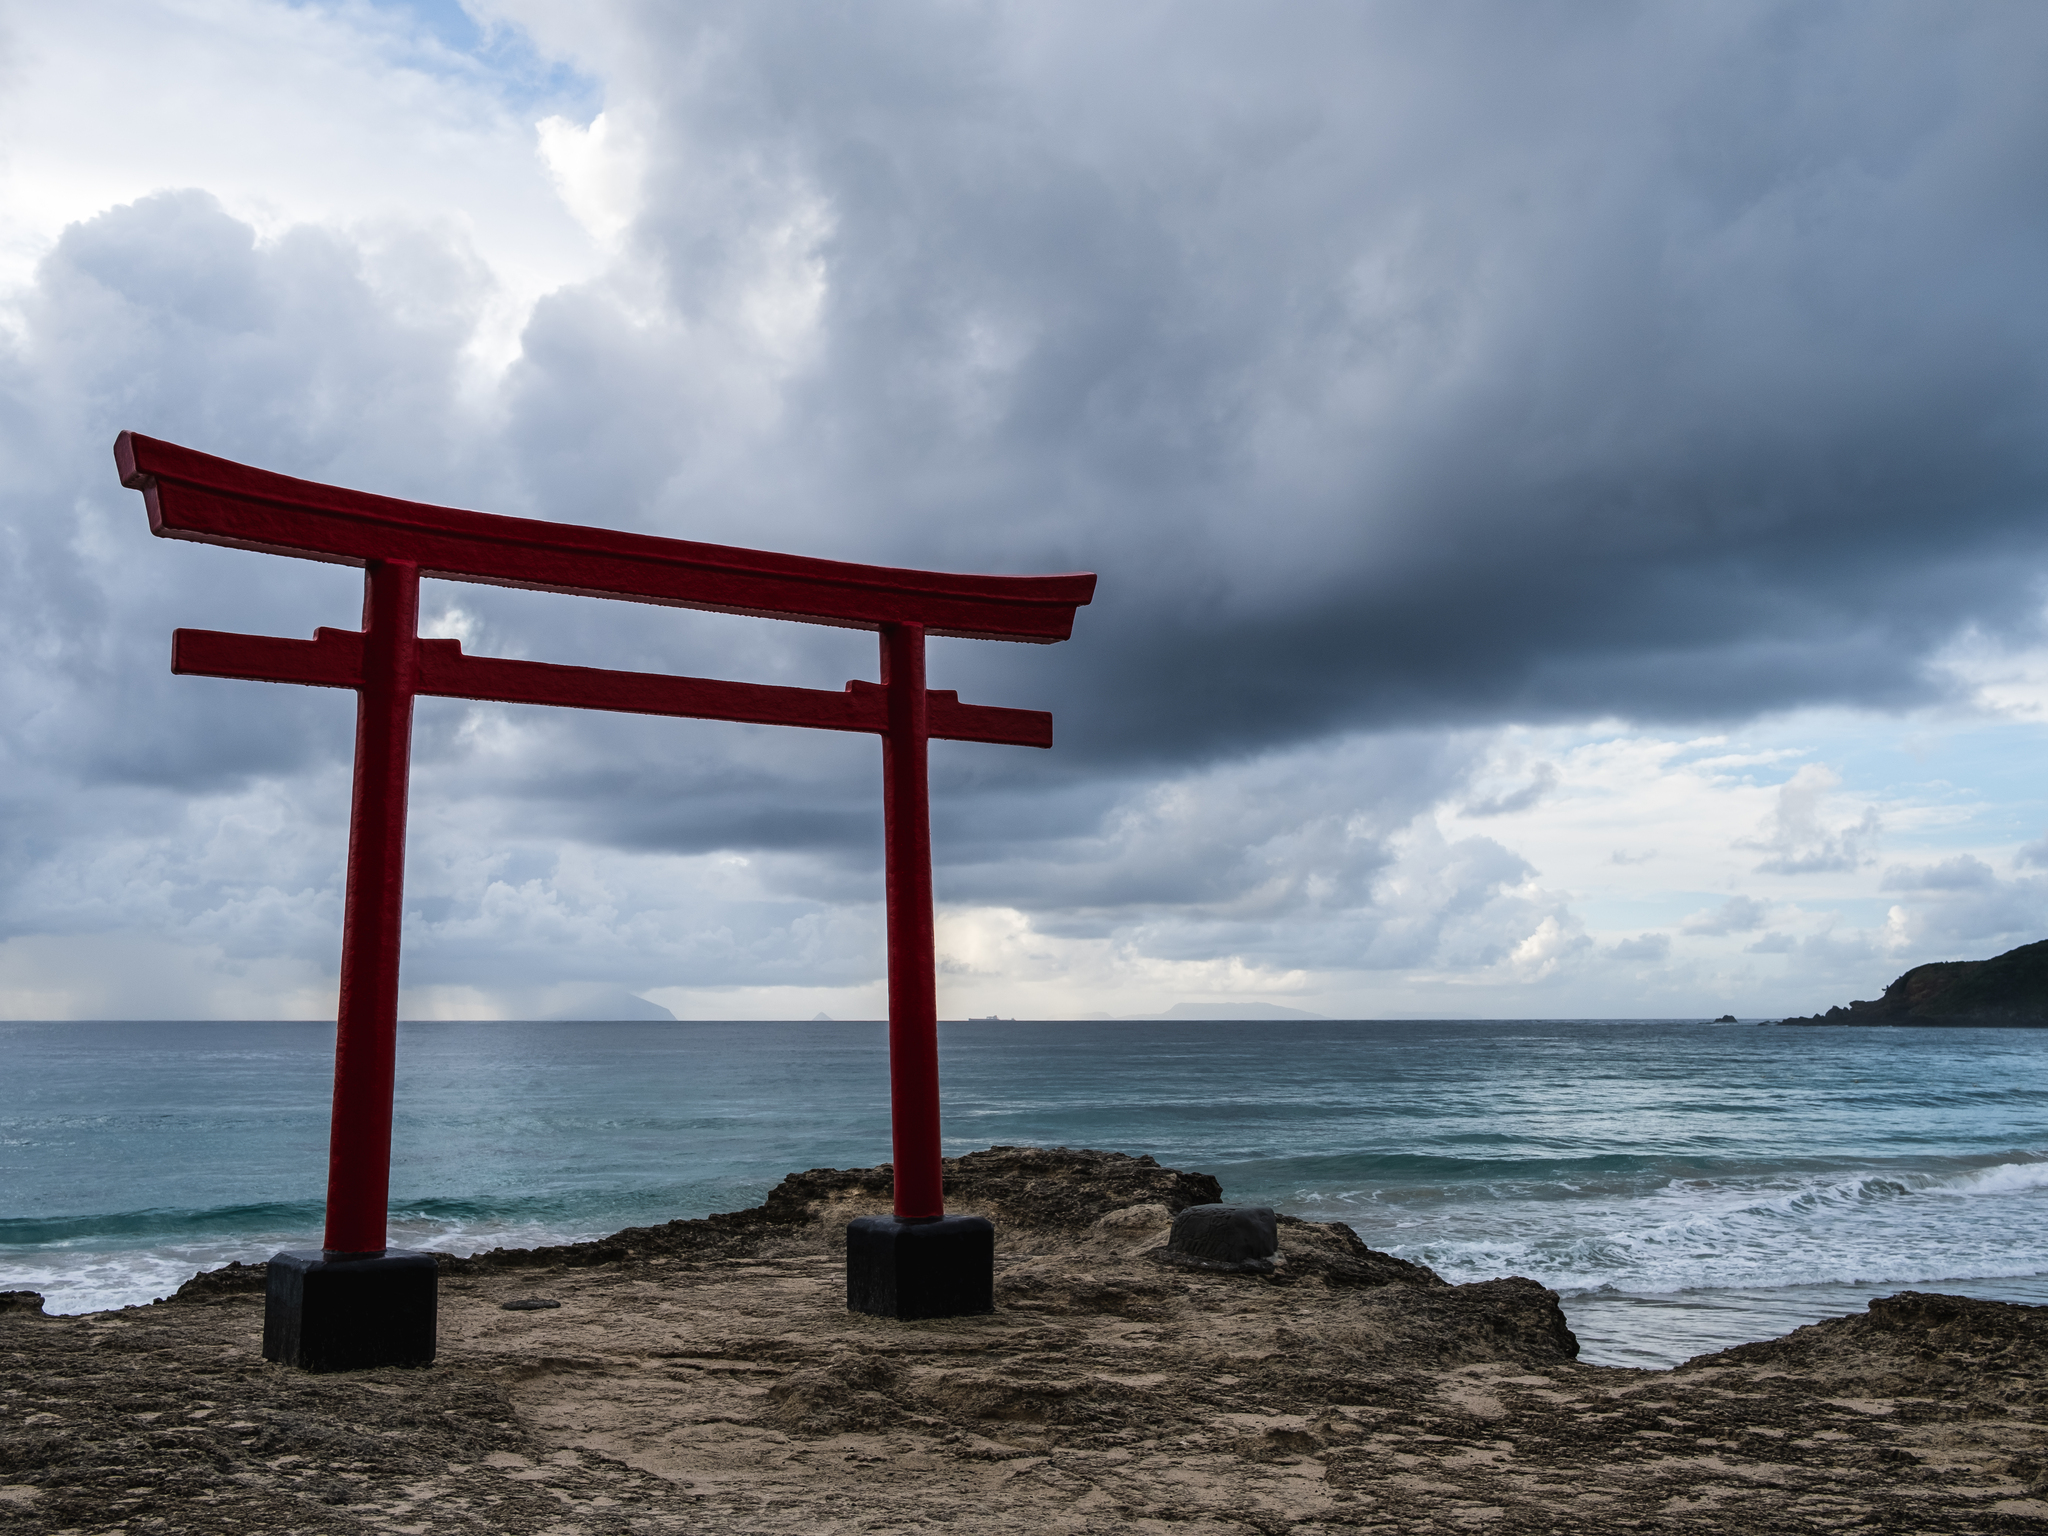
1225 1234
29 1302
529 1304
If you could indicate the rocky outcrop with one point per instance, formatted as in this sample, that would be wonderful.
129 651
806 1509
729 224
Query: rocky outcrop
2008 992
1915 1345
1018 1188
1084 1233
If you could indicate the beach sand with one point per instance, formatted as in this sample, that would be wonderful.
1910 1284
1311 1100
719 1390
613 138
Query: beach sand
706 1376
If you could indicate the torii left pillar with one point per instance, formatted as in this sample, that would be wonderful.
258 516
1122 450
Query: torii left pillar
356 1302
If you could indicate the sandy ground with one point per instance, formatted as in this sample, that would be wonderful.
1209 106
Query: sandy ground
706 1376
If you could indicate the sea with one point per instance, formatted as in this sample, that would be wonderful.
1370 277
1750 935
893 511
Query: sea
1684 1186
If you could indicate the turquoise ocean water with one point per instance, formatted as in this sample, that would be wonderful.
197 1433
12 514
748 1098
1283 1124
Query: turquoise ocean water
1685 1186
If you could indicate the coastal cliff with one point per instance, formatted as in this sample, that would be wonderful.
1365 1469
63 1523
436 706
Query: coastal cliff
2009 991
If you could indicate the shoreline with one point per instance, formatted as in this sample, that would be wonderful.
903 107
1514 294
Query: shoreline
704 1374
1654 1330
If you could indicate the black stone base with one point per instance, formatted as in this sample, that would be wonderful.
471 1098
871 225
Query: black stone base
351 1311
942 1266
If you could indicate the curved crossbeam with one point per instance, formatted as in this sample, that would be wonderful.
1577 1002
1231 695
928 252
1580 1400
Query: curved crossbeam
196 496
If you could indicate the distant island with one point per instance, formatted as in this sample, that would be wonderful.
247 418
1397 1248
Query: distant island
1228 1013
611 1005
2008 992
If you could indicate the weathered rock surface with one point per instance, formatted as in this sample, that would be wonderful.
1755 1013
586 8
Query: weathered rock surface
706 1377
2009 991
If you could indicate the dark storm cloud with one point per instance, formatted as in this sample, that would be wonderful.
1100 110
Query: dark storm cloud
1393 364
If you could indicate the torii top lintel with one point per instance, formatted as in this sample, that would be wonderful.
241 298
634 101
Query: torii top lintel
209 500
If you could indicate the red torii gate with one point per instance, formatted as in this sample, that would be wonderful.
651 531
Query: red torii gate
209 500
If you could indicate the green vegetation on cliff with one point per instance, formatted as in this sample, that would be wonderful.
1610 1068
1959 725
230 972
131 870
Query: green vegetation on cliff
2009 992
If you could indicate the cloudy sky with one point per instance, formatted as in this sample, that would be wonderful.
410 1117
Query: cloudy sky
1568 483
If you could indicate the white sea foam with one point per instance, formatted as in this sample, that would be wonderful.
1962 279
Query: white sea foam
2004 1179
1899 1227
86 1277
78 1279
